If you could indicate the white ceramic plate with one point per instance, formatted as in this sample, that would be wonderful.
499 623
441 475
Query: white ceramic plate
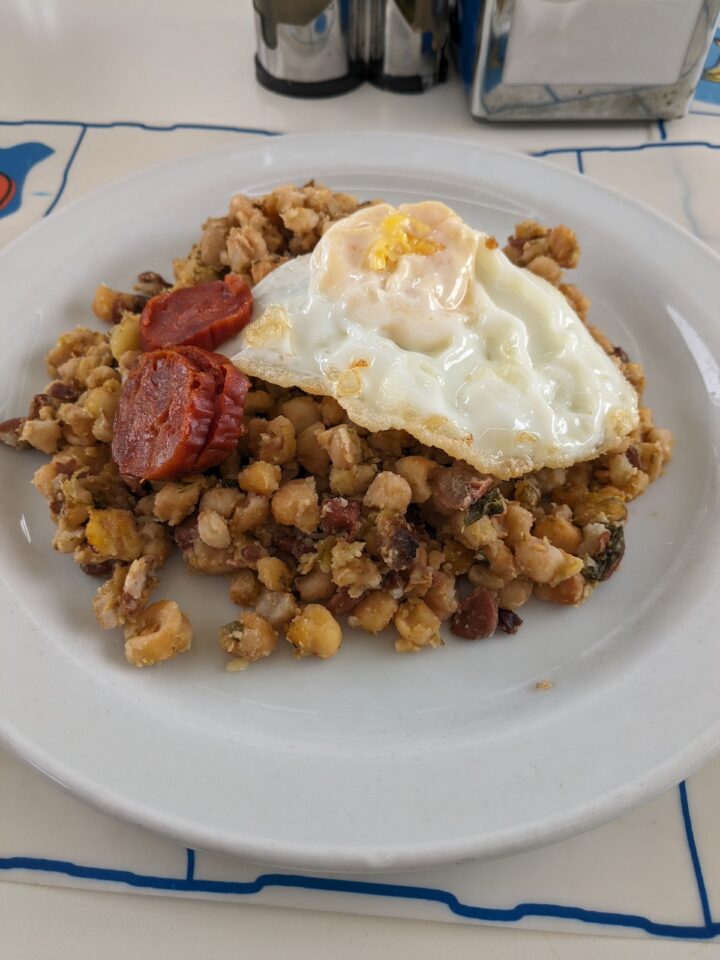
372 759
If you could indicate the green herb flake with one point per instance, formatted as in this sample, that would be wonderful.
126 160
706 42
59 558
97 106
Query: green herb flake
491 505
604 565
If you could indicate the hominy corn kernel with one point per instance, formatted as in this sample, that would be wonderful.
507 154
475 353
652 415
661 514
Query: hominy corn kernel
274 574
352 482
244 588
250 637
213 529
374 611
161 631
296 504
315 632
388 491
560 532
176 501
260 477
417 625
113 534
417 471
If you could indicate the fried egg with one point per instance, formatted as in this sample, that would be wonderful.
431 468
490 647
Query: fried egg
413 320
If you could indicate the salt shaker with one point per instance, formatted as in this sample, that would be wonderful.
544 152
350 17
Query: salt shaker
404 45
306 48
314 48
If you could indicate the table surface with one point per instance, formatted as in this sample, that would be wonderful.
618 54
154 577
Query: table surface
180 62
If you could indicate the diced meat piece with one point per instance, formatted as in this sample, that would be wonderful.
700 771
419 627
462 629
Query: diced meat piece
10 431
294 544
65 392
476 616
509 621
458 487
399 543
149 283
340 517
341 602
103 569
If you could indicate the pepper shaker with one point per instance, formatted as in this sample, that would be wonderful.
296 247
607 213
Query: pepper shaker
315 48
306 48
405 45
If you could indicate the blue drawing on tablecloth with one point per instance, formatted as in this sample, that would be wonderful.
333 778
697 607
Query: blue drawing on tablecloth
15 164
190 883
708 90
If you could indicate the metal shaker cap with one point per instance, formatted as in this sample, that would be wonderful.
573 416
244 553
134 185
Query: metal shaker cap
304 47
405 43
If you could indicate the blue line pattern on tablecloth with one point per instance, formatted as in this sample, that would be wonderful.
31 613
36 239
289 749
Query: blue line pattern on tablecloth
136 124
631 148
694 856
191 884
66 171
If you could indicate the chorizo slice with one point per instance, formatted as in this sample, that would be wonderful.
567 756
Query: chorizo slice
201 316
166 409
231 387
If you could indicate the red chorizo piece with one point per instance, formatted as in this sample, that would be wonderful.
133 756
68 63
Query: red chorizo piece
250 555
163 420
476 616
341 602
296 545
340 517
65 392
231 387
186 533
200 316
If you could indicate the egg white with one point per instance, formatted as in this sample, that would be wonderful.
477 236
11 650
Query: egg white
458 346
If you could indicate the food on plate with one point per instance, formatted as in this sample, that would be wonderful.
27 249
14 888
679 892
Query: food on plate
416 428
414 321
180 411
202 316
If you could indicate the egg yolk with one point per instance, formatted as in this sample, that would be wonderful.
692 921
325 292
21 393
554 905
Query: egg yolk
398 236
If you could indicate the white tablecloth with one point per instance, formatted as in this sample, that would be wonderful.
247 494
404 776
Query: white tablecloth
112 90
